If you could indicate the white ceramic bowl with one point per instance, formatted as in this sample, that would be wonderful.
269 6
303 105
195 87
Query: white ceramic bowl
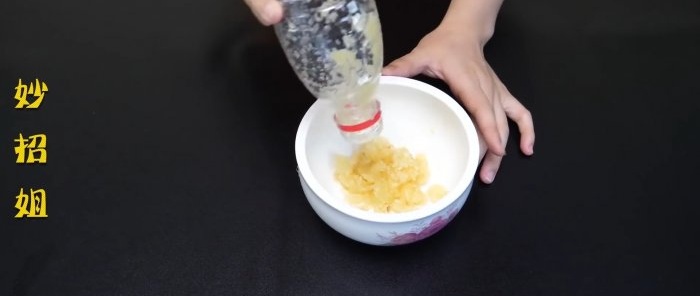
416 116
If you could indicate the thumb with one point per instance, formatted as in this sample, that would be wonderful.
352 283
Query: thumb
268 12
406 66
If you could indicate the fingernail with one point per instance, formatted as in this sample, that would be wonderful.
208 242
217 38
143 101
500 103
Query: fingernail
490 175
268 12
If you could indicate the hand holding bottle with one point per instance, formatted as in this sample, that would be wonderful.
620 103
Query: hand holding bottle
268 12
453 52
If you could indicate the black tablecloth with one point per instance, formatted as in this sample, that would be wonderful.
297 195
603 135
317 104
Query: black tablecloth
171 166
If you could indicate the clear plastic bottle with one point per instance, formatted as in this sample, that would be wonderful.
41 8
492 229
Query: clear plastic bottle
335 48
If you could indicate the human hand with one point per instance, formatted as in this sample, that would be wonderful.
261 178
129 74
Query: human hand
458 59
268 12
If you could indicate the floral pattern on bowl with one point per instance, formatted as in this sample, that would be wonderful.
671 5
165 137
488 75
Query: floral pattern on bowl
420 231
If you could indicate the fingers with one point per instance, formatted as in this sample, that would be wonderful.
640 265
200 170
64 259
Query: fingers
268 12
406 66
489 162
481 107
522 117
489 167
492 161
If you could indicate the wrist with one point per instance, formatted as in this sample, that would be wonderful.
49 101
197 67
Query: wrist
471 33
475 19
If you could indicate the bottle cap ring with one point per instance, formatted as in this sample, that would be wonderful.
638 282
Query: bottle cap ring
362 125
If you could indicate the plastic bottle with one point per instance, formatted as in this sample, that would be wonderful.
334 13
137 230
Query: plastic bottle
335 48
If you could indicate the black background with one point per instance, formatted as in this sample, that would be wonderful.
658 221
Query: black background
171 165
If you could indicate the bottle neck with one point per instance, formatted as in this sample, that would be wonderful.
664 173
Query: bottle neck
358 106
362 119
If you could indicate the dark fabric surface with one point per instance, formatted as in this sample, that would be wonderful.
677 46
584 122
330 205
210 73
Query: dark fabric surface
171 165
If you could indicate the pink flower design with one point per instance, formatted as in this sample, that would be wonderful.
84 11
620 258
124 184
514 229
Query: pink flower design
405 238
435 225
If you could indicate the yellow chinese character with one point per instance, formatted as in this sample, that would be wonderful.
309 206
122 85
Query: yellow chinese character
27 150
36 200
36 89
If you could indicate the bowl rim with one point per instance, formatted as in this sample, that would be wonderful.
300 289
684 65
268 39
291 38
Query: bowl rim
338 204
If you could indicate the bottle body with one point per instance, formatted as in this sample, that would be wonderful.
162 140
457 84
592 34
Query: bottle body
335 48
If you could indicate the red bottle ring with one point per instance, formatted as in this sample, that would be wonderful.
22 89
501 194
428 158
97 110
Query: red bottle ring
360 126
